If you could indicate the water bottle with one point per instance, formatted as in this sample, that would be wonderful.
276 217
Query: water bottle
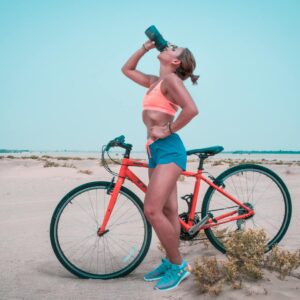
154 35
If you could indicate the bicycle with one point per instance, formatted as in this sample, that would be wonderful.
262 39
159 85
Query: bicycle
98 230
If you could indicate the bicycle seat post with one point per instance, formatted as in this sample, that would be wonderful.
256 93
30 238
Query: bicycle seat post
202 157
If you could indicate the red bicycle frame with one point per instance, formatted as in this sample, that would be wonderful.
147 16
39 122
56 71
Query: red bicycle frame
126 173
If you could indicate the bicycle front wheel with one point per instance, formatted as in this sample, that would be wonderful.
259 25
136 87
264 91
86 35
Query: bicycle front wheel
74 226
258 188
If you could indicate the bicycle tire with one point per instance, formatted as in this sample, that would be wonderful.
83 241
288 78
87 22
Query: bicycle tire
122 252
243 173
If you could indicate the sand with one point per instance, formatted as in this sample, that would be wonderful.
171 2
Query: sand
29 269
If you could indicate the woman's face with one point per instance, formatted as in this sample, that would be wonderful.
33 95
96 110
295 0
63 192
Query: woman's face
170 54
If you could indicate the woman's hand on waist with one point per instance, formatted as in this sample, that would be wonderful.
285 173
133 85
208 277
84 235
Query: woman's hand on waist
159 132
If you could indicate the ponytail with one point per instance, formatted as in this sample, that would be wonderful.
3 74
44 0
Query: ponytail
194 78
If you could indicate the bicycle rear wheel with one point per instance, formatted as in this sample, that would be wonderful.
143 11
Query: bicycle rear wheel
74 226
257 187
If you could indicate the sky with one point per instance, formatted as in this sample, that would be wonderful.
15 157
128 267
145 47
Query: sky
61 85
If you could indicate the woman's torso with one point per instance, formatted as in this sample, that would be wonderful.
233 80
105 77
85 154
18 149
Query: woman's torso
155 117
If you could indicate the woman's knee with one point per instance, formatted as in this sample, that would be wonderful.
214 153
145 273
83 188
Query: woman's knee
151 212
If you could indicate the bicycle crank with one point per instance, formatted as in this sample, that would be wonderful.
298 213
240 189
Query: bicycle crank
197 226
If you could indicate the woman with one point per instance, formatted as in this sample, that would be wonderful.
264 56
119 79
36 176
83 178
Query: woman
166 152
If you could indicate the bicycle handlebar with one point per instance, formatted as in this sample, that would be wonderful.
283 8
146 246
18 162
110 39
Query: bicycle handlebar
118 142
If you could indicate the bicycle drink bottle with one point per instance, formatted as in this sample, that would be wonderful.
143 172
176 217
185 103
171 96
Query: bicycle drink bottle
154 35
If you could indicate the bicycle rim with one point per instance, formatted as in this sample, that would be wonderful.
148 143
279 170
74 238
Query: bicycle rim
257 187
74 232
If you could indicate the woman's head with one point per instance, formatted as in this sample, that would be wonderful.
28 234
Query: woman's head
182 61
187 66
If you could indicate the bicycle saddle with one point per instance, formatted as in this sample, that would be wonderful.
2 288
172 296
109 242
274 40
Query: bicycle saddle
206 151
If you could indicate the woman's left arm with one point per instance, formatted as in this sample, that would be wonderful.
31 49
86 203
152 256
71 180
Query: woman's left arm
176 89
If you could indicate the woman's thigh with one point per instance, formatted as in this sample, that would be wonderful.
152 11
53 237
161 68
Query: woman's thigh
162 183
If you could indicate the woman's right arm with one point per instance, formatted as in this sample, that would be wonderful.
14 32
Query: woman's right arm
129 69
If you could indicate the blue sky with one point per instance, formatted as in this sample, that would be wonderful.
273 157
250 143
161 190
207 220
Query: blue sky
61 86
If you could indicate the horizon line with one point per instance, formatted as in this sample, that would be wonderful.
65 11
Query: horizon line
2 151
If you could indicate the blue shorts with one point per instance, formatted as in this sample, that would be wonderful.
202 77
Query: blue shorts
167 150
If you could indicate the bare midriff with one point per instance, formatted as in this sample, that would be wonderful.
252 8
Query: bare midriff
155 118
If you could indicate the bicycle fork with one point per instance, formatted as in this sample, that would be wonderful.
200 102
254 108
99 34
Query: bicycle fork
114 195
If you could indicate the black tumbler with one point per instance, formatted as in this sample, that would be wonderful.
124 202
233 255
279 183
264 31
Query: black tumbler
154 35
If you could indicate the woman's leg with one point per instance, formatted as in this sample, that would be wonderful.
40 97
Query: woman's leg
160 190
170 209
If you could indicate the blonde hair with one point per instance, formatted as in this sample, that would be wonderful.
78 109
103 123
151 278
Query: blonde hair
187 66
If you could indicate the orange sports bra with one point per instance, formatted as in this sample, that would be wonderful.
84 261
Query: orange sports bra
155 100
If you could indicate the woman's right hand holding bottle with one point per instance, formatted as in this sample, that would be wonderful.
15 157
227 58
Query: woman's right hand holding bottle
148 45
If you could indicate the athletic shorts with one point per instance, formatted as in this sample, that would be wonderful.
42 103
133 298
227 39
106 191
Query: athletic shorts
167 150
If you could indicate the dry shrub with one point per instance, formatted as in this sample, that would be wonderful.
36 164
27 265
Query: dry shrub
49 164
221 234
217 163
246 260
282 261
202 236
88 172
68 158
66 165
76 158
231 273
209 275
33 157
63 158
245 252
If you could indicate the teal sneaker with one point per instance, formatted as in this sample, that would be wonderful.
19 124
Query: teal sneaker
158 272
174 275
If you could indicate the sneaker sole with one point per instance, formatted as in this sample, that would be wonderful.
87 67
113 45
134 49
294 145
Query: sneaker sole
186 275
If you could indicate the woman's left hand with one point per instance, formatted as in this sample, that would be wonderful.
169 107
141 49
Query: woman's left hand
159 132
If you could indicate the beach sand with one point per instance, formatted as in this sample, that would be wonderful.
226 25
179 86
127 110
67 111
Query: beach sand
29 269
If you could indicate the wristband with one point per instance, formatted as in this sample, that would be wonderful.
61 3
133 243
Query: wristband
170 129
145 48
